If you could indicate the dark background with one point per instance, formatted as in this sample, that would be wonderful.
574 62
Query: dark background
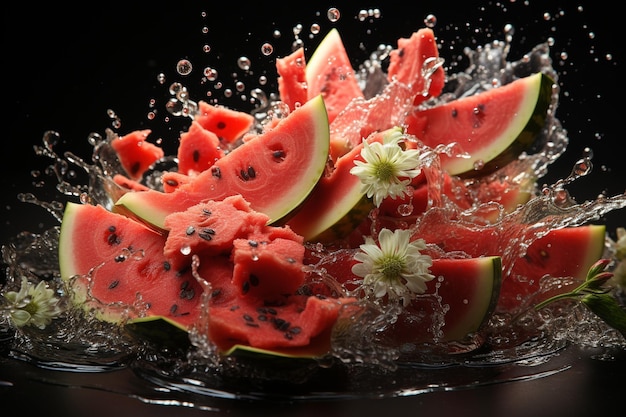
64 67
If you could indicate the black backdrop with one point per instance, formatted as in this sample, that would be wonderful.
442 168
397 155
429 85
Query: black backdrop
64 67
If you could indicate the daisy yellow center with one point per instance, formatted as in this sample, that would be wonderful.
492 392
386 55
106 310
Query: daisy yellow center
391 267
385 171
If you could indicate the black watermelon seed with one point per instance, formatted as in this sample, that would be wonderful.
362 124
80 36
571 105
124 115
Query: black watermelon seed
455 112
167 266
171 182
247 317
291 260
279 154
262 317
206 211
254 280
196 155
401 53
112 229
190 230
113 284
216 172
271 311
245 287
207 234
295 330
113 239
233 308
221 125
184 285
216 292
281 324
120 258
188 294
252 324
173 308
288 336
134 168
253 243
244 175
251 172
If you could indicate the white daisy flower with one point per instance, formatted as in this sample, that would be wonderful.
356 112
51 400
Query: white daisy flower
396 269
32 305
387 168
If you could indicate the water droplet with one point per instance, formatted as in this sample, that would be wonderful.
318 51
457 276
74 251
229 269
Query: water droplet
405 209
161 78
185 250
243 63
430 20
315 28
184 67
206 48
333 14
267 49
479 164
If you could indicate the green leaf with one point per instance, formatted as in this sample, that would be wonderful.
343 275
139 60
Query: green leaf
608 309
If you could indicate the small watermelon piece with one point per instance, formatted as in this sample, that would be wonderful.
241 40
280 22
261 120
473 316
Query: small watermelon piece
296 148
463 293
329 72
129 184
209 228
135 153
300 326
292 84
228 124
198 149
493 127
173 179
416 63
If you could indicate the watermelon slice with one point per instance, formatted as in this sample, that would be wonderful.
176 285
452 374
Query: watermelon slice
295 149
463 295
330 73
135 153
493 127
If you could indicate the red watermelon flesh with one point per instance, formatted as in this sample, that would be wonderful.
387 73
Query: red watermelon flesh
287 159
228 124
129 268
493 127
299 325
416 63
135 153
209 228
198 149
173 179
129 184
292 86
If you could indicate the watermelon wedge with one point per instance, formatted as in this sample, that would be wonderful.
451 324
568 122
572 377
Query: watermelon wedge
295 149
493 127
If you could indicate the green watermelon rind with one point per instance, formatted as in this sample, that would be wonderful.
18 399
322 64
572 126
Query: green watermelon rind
144 205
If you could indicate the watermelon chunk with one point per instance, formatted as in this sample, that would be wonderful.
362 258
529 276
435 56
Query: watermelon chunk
135 153
198 150
416 63
292 84
296 148
228 124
